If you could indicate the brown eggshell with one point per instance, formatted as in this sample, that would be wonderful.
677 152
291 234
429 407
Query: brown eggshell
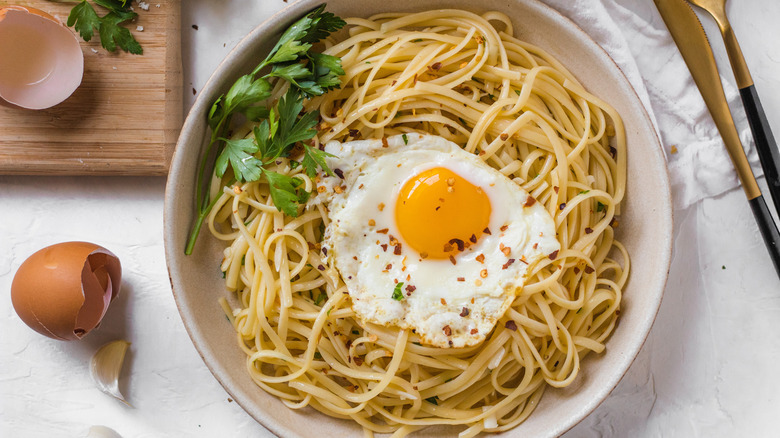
41 61
63 291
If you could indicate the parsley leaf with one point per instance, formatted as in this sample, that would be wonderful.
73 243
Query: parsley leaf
397 294
240 155
113 35
287 192
314 157
434 400
84 19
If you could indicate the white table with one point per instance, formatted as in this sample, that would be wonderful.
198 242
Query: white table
707 369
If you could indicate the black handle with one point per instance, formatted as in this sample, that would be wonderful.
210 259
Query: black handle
765 141
768 229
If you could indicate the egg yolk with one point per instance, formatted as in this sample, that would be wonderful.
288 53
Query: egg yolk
437 206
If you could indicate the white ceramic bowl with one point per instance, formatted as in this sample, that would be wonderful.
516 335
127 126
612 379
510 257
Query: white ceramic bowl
645 225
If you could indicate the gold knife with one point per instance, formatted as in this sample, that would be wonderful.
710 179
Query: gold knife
692 42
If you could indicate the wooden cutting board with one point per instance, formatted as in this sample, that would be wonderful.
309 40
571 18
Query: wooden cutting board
124 118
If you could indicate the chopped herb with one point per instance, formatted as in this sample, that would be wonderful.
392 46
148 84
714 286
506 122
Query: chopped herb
322 229
434 400
417 40
320 298
355 332
723 267
317 355
417 343
397 294
224 274
462 122
449 380
517 92
294 164
599 207
584 192
579 310
406 139
243 259
368 62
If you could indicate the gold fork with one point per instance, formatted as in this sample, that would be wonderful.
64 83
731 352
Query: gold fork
762 133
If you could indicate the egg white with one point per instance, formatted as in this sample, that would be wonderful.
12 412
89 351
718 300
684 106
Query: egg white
450 305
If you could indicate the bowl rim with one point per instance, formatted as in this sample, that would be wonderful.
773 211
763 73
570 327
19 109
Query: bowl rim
299 8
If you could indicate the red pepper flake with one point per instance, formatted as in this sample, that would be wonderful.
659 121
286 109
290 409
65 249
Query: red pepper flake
384 248
504 227
448 247
381 206
325 251
472 300
311 246
504 136
511 325
371 222
613 152
474 331
385 144
562 206
393 240
536 245
461 278
389 266
414 80
529 201
508 263
447 330
360 186
452 260
522 259
436 66
411 288
483 273
459 243
423 255
473 238
481 258
358 361
339 173
589 270
588 230
450 342
397 250
487 231
614 223
576 270
354 133
505 249
383 231
465 312
556 189
321 268
443 301
553 255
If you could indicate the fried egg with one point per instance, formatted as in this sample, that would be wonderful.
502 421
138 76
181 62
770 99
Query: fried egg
428 237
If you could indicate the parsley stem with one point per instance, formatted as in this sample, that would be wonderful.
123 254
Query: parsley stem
198 224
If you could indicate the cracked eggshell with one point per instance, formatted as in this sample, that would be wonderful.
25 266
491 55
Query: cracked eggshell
41 62
63 290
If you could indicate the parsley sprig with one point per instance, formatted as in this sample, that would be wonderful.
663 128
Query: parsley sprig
281 127
86 20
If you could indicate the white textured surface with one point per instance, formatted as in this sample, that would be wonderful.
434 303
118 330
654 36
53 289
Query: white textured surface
707 368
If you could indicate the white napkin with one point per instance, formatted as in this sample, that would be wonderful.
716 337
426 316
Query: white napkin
699 166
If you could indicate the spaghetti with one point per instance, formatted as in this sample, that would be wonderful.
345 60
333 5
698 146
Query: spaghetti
463 77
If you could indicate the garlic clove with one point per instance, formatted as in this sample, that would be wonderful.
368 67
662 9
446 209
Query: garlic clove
106 365
102 432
